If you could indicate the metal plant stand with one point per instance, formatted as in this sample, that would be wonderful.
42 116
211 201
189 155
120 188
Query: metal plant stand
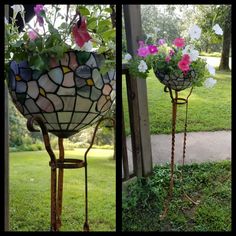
61 164
176 100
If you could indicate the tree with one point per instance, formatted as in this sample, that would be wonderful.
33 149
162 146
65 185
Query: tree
226 15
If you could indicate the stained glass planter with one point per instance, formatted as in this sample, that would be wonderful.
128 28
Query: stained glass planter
70 96
175 81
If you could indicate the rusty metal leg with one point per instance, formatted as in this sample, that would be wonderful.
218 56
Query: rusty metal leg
60 183
174 113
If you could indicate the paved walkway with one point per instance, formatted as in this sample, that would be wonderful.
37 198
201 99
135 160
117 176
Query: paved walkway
201 147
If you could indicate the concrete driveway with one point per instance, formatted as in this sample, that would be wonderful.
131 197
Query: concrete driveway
201 147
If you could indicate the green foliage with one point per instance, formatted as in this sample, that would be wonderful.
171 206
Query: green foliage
55 41
207 183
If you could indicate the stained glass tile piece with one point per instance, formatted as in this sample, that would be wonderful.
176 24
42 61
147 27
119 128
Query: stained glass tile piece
25 111
64 117
93 109
84 91
51 117
33 90
106 106
78 117
18 78
55 126
99 59
82 57
82 104
113 95
96 93
53 62
101 102
56 101
69 80
106 89
19 107
42 92
48 126
97 78
80 82
64 126
41 117
66 69
14 67
106 79
56 75
21 87
25 74
72 126
91 62
47 84
31 106
112 74
90 82
89 118
69 103
21 97
66 91
73 61
83 72
65 60
44 104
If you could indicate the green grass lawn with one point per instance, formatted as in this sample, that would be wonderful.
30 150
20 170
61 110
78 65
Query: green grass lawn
30 192
209 184
209 109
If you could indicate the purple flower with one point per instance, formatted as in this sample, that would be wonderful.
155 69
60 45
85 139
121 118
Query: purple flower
38 9
143 51
172 52
161 41
152 49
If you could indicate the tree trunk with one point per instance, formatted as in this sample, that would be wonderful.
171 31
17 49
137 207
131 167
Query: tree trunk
224 62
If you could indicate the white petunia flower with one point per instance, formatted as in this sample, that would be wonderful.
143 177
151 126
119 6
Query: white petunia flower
209 83
17 8
127 57
211 69
193 54
88 46
142 66
217 29
195 32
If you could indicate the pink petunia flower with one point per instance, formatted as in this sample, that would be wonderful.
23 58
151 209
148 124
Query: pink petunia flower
32 35
179 42
141 43
38 9
183 65
143 51
186 58
152 49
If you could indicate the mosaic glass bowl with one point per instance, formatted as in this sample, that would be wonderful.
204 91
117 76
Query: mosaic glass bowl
175 81
72 95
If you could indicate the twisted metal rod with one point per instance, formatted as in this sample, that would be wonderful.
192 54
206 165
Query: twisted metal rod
175 101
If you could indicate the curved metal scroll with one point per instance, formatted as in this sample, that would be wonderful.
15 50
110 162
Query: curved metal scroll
86 225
